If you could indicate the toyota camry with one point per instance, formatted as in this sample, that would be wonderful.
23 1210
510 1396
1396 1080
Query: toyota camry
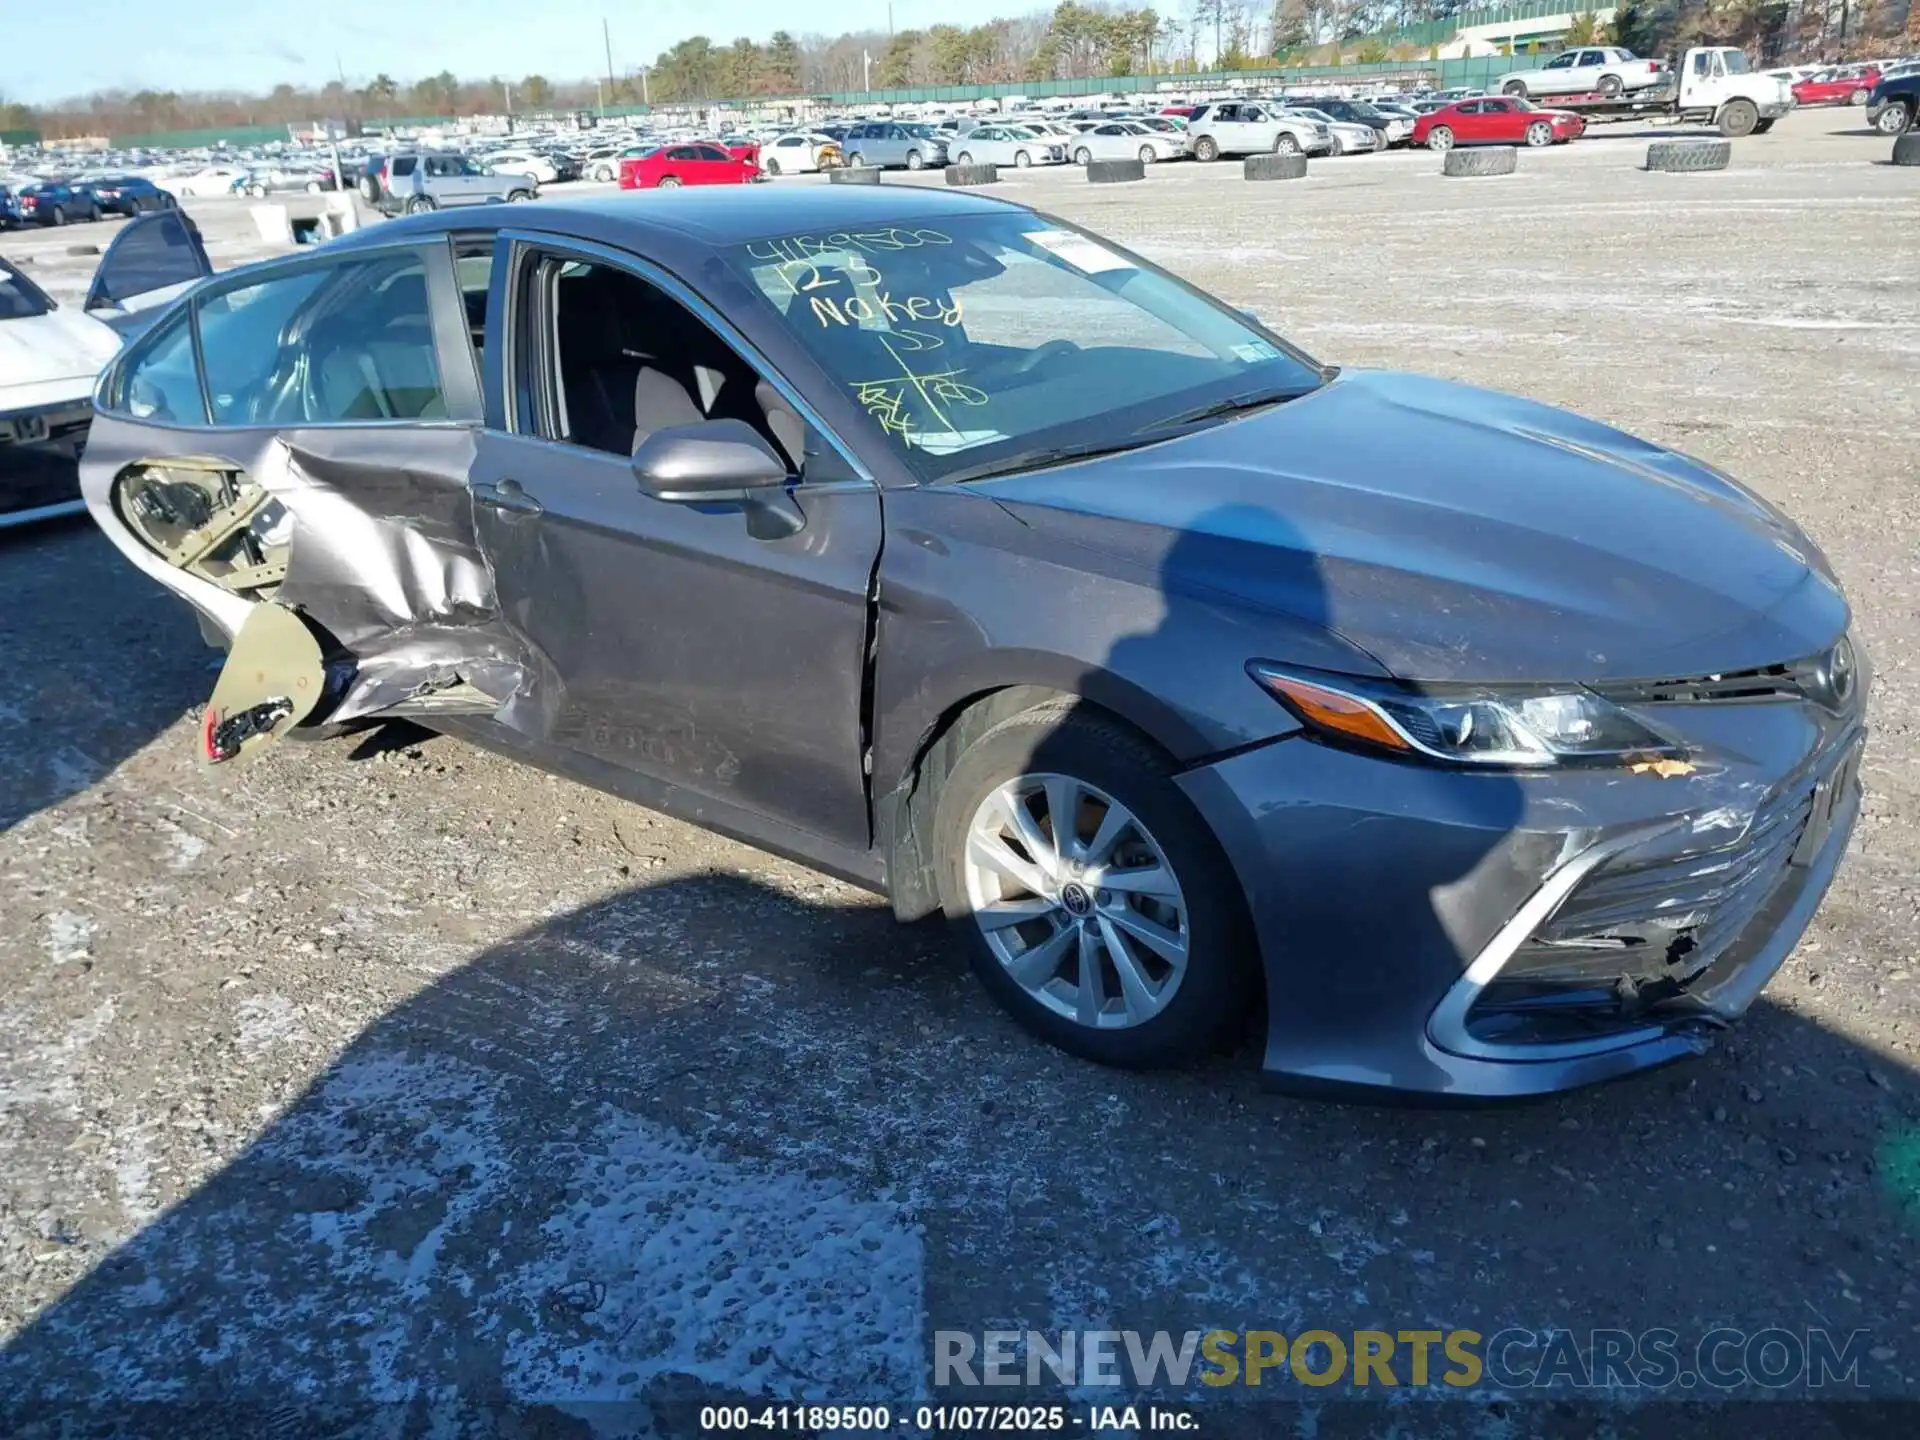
1482 749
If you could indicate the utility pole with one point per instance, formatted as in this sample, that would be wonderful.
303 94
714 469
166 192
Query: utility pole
606 37
645 97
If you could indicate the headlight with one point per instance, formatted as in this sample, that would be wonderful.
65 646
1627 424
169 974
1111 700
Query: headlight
1534 728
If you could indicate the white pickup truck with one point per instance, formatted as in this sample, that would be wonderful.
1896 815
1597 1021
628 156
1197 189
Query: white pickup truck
1590 70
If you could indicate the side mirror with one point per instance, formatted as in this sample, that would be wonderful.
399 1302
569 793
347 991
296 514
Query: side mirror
713 460
720 462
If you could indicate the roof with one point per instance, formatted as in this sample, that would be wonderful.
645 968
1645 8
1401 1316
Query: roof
714 214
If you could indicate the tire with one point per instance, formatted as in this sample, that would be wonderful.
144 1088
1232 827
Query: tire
965 157
1763 127
1539 134
1610 86
773 167
419 204
518 197
1440 138
1482 160
1906 150
1083 156
856 160
1689 156
1515 87
1858 97
1737 118
1022 160
1198 976
1895 119
916 161
1337 146
313 187
1205 149
1286 144
59 215
370 189
669 182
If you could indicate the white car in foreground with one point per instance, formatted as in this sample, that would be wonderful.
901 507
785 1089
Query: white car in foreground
1013 145
799 153
1126 140
1349 137
50 355
522 162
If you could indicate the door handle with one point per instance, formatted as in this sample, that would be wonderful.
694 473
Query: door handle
507 495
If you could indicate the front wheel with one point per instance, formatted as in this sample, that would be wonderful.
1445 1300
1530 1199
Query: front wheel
669 182
1516 88
313 187
1440 138
419 205
1539 133
1148 155
1286 145
1205 148
1610 86
856 160
773 167
518 197
965 158
1737 118
1083 156
915 160
1097 904
1858 97
1894 120
1021 159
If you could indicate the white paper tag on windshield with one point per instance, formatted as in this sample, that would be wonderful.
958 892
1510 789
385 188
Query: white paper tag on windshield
1255 351
947 442
1078 251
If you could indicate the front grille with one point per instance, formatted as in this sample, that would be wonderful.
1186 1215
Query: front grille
1642 927
1811 678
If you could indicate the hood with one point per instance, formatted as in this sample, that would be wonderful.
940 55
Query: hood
60 345
1455 534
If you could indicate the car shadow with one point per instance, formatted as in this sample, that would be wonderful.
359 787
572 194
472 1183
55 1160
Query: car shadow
102 660
637 1154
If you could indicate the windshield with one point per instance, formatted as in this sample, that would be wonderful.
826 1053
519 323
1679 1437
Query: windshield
20 298
989 337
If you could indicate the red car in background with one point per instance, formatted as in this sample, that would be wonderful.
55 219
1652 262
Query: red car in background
702 162
1495 120
1836 87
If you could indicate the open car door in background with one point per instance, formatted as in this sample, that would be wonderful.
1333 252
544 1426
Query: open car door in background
152 259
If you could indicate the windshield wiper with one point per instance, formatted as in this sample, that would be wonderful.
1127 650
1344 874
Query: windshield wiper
1043 456
1232 405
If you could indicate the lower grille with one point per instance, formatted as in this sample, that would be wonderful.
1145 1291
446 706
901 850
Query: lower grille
1641 928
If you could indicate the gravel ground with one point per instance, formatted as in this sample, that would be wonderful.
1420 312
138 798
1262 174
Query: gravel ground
383 1071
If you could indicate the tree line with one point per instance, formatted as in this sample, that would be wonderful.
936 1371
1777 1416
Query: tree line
1074 40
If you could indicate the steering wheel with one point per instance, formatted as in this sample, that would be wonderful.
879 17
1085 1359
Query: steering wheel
1037 357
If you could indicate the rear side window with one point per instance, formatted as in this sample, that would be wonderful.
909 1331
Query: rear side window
160 382
346 343
401 165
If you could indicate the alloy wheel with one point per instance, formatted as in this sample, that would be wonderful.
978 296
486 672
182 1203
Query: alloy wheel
1075 899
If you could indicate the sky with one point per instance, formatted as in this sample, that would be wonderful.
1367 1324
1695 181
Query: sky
85 45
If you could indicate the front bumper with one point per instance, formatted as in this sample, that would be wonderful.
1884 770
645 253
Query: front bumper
40 447
1410 917
1773 110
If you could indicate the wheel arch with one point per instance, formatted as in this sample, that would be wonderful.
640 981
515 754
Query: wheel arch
908 783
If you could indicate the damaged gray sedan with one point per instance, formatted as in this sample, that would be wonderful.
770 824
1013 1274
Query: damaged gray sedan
1485 750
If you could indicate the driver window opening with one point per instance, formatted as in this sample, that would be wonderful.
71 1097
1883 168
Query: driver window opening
626 359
